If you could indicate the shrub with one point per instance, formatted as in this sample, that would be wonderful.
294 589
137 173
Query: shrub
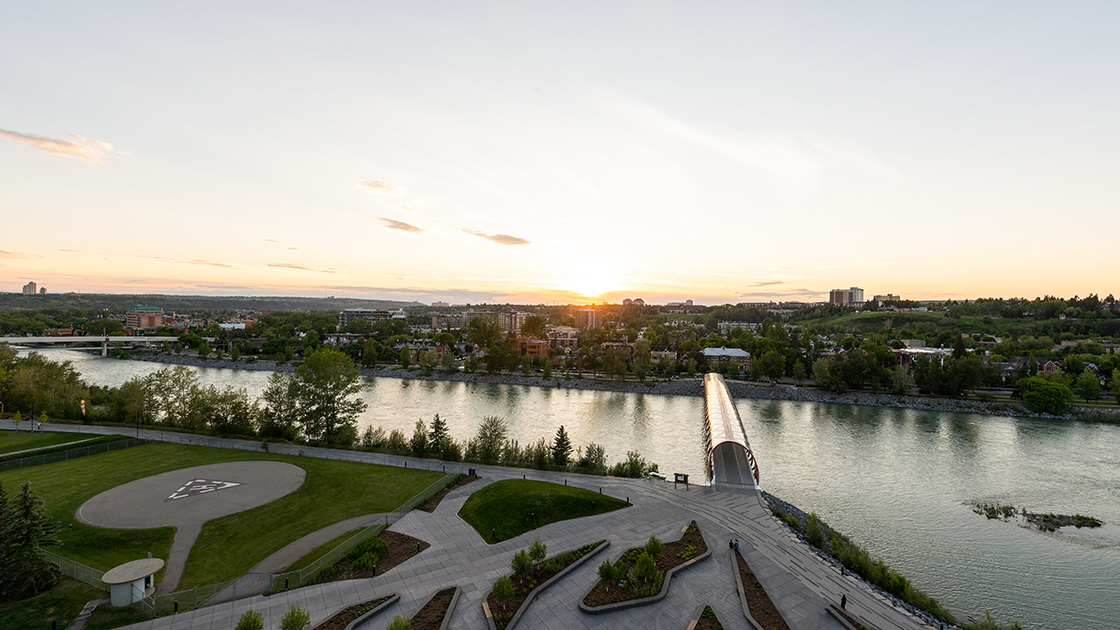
397 441
521 563
537 551
250 620
366 561
503 587
645 568
608 572
593 457
295 619
372 545
654 546
813 532
398 623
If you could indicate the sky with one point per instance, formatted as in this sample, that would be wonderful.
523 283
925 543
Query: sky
573 152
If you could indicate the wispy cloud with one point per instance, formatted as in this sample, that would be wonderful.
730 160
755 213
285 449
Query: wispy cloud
4 254
85 150
501 239
194 261
857 157
393 224
767 283
379 187
300 267
447 295
788 294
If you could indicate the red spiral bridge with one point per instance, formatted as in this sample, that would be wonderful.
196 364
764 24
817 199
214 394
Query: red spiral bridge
730 460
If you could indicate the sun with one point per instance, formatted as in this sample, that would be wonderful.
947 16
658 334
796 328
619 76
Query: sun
593 286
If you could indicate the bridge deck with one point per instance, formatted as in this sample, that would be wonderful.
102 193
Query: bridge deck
730 461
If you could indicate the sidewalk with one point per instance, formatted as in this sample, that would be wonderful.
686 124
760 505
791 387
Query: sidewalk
799 583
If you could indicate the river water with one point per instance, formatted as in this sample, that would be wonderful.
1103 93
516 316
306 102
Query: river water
899 482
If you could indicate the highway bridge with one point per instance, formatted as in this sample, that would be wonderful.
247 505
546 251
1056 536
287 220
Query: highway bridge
71 341
730 460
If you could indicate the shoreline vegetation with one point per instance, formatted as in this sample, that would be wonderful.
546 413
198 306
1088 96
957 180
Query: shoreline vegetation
674 387
1048 522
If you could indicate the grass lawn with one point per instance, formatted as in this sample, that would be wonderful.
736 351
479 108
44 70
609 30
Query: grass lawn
11 441
507 507
227 547
62 603
320 551
105 617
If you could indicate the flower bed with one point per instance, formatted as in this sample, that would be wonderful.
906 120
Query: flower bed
504 613
435 613
398 548
706 620
341 619
635 582
433 502
759 605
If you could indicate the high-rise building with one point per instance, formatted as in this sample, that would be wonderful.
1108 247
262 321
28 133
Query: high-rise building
846 297
143 318
587 318
29 288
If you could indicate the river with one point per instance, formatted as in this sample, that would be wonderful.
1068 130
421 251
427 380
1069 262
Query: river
900 482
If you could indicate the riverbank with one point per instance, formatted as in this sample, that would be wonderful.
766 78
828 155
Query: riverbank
675 387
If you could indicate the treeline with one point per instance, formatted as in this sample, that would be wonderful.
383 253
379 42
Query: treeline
317 404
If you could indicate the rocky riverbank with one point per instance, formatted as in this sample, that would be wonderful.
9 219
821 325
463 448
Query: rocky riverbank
675 387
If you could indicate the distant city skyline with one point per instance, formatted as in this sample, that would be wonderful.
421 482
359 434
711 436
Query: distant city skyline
575 153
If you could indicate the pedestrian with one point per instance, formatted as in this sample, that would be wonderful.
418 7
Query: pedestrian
844 601
736 544
730 544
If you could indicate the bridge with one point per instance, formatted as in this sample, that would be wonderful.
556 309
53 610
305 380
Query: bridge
730 460
32 342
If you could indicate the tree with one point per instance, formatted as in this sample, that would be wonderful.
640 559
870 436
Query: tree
250 620
1088 385
561 448
487 444
641 360
534 327
326 388
279 408
537 551
419 442
1041 394
296 618
447 361
503 589
406 357
438 434
900 381
401 623
799 371
547 368
234 352
1116 383
25 530
484 332
771 365
521 562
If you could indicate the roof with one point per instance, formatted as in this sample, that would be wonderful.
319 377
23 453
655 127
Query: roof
132 571
726 352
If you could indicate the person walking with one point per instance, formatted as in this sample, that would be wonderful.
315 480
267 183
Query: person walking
844 601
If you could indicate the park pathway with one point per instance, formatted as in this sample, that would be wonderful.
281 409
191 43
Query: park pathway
799 582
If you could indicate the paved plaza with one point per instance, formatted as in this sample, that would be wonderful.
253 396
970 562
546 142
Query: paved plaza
799 582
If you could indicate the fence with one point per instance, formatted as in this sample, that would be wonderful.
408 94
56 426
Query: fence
76 570
256 584
73 453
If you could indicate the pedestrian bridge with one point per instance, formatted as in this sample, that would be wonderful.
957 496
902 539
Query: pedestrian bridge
71 341
730 460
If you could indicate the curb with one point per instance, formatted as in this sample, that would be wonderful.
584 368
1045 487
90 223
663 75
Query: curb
634 603
450 607
742 592
394 598
540 588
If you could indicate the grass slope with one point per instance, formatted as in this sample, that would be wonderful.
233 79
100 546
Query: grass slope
62 603
11 441
332 491
320 551
507 507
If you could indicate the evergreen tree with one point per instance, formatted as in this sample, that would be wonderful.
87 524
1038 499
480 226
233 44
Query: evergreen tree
438 434
419 442
24 531
561 448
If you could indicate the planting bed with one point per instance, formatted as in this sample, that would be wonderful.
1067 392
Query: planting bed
431 504
761 607
431 616
401 548
342 618
504 611
707 621
676 555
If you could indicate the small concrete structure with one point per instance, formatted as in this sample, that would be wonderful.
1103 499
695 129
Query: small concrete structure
132 581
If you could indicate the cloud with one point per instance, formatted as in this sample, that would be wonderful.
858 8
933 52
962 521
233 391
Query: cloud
71 251
393 224
857 157
787 294
431 295
4 254
91 152
379 188
195 261
501 239
300 267
271 240
767 283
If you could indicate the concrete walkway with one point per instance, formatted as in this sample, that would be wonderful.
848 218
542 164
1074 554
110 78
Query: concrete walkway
800 584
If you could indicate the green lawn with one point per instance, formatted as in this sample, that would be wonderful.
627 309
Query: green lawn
11 441
62 603
106 617
227 547
320 551
507 507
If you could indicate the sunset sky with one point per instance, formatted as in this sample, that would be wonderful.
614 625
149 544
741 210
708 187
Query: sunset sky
561 152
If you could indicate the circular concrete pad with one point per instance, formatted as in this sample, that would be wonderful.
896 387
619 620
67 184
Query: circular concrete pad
191 496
